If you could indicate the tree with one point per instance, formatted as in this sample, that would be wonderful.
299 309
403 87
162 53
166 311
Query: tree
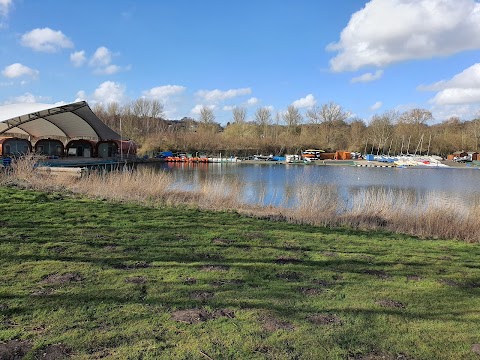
263 118
416 116
206 115
381 129
292 118
239 115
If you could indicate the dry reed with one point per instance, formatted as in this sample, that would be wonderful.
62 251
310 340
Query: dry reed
426 216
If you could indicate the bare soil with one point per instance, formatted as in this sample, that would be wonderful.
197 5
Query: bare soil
202 295
378 273
214 268
54 352
58 279
194 316
14 349
310 291
136 280
287 260
272 324
289 275
390 304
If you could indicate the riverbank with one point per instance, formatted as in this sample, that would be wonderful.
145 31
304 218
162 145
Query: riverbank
85 279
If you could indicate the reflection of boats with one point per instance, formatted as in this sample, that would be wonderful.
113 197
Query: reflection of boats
312 154
419 161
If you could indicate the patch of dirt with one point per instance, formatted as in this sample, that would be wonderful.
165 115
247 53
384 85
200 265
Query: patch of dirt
3 223
194 316
111 247
227 282
202 295
449 282
379 356
272 324
254 235
472 284
3 307
325 319
390 304
378 273
214 268
330 254
9 323
58 279
337 277
136 280
54 352
476 348
43 292
287 260
446 258
310 291
137 265
321 282
181 237
190 281
221 241
414 277
14 349
289 275
57 249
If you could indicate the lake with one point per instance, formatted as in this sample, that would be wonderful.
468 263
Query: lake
278 184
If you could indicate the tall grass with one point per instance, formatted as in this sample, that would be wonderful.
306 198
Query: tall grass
426 216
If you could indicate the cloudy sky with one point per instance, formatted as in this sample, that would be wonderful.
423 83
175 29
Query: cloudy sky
368 56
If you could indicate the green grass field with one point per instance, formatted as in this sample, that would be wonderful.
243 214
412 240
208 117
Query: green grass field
91 279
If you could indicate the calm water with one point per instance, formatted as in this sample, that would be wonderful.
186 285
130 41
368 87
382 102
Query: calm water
275 184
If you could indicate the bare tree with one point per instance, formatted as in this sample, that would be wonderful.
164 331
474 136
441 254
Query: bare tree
292 117
239 115
416 116
263 118
381 129
328 113
206 115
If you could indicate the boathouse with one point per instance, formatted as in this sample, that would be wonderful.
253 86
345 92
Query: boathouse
50 147
456 155
81 148
12 146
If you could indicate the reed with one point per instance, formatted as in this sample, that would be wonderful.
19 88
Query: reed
426 216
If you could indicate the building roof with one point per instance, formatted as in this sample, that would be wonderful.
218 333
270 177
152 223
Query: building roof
43 120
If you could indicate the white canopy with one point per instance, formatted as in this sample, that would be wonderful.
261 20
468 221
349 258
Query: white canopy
44 120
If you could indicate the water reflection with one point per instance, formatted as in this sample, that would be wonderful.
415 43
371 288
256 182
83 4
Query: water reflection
283 185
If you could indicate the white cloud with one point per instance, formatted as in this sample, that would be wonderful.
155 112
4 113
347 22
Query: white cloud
27 98
219 95
197 108
46 40
376 106
389 31
5 7
306 102
228 108
78 58
252 101
102 57
463 88
163 92
107 92
367 77
17 70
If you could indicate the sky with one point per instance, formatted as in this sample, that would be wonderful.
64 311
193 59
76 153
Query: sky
370 57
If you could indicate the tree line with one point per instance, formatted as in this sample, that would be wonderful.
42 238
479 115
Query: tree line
328 127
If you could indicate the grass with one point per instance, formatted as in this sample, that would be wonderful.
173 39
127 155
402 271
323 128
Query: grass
97 279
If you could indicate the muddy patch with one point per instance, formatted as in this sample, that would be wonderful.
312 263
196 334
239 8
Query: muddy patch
378 273
194 316
414 277
58 279
289 275
189 281
202 295
472 284
3 307
222 241
54 352
57 249
388 303
325 319
14 349
136 280
110 247
214 268
321 282
227 282
449 282
308 291
134 266
272 324
476 349
283 260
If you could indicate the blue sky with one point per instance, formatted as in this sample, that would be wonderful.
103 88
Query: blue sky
367 56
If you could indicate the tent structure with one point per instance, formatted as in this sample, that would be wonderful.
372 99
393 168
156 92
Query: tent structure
74 120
